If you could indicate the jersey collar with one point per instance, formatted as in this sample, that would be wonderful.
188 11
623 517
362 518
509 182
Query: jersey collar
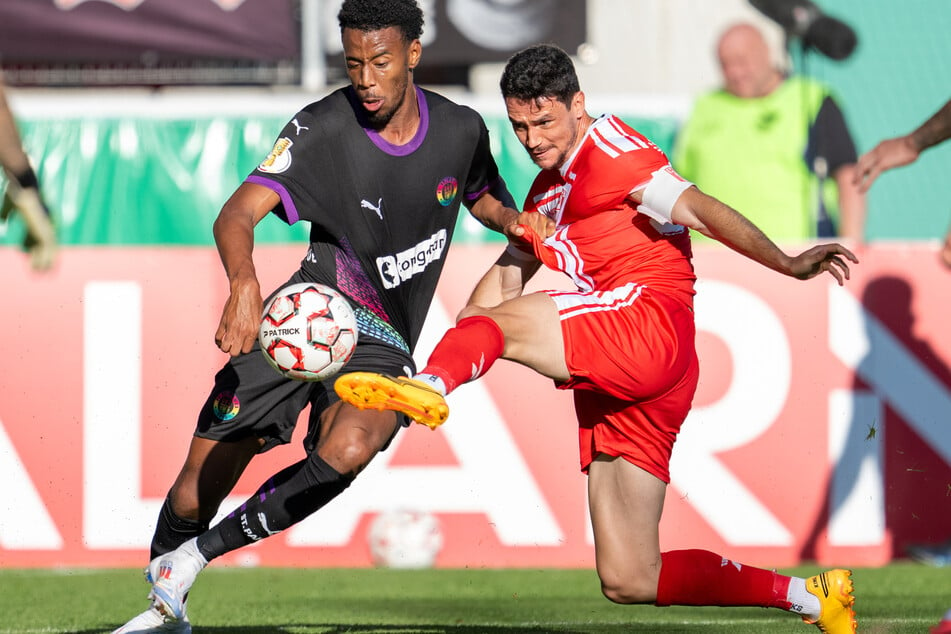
395 150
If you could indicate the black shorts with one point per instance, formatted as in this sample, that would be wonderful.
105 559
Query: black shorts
250 399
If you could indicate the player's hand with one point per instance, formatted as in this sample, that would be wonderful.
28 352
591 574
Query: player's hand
42 253
530 221
40 240
240 318
823 257
40 243
886 155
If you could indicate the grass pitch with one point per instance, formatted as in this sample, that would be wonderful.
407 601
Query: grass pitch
902 597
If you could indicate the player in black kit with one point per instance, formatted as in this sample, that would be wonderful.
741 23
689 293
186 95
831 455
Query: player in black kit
380 169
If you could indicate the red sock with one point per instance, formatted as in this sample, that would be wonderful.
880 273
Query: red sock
466 352
699 577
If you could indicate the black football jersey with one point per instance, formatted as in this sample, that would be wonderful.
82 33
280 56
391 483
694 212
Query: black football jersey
381 215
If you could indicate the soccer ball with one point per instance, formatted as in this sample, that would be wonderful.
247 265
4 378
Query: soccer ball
308 331
405 539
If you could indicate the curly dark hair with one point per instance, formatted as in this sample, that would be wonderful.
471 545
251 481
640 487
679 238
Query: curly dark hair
540 71
374 15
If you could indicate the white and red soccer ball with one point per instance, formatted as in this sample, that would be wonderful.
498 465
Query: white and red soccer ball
405 538
308 331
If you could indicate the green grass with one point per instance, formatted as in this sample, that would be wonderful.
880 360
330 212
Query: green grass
902 597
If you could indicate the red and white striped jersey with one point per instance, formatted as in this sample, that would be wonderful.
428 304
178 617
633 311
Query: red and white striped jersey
602 242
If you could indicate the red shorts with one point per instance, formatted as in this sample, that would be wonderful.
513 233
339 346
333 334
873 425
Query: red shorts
634 370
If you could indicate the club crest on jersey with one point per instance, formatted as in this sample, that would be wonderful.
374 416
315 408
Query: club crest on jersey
280 157
551 202
226 406
446 190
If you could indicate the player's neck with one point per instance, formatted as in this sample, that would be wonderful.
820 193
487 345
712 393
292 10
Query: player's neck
584 124
404 124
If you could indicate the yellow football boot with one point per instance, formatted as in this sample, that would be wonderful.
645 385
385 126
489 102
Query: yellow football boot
833 588
368 390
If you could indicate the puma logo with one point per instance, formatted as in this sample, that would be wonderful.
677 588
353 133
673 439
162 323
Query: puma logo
263 520
299 127
378 207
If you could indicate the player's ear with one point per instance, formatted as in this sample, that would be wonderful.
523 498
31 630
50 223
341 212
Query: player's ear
577 103
414 54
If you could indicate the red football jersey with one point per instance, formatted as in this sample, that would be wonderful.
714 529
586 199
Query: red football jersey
602 241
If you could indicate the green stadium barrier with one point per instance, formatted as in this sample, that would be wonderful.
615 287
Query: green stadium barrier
147 181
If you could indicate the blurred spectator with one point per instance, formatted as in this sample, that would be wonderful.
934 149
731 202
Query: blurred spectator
23 192
775 146
903 150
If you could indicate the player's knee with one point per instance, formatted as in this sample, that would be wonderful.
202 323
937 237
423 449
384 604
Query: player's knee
628 590
350 438
319 472
472 311
354 456
349 453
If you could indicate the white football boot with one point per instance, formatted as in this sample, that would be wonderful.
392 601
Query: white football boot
172 575
152 622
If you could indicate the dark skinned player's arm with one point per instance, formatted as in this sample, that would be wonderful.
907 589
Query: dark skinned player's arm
234 236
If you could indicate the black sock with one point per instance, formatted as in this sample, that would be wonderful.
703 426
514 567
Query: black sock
172 531
287 498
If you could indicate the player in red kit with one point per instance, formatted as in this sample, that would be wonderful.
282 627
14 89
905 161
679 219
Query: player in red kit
623 341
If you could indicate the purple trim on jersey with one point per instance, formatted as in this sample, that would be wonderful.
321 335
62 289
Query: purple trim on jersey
379 141
475 195
290 211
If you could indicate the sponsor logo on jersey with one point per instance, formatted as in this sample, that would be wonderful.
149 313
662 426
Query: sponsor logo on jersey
280 157
446 190
226 406
396 269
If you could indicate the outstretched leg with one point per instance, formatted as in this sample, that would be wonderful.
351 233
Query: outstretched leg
525 329
626 504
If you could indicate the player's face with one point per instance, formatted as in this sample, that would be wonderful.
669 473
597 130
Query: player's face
548 129
379 65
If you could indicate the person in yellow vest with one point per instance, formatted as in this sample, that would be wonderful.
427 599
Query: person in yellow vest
775 146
